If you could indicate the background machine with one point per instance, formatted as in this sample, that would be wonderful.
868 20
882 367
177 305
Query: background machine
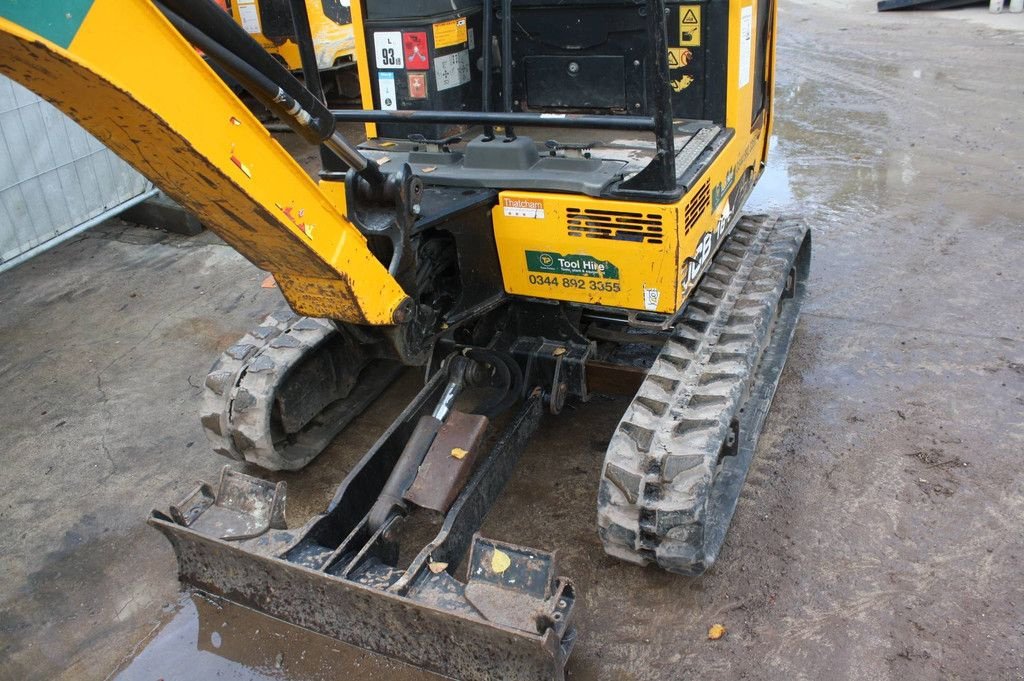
549 195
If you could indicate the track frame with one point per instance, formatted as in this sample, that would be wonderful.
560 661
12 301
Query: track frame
675 467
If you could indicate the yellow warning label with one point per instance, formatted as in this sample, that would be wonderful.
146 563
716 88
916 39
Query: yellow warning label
678 57
449 33
689 25
682 83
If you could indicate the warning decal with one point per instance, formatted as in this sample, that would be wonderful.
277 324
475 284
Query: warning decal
746 30
689 25
449 33
452 70
417 85
678 57
250 16
415 48
388 94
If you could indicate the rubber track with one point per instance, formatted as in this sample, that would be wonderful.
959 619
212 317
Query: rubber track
237 409
660 465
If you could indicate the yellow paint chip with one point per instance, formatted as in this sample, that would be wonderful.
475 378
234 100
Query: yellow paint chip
716 632
500 562
428 169
459 453
437 568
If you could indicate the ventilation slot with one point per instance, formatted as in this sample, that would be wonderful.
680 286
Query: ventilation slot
615 225
698 205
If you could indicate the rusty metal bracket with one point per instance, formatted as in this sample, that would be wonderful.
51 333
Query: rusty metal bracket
242 507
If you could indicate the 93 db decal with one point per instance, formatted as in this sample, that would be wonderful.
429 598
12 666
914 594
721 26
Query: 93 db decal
388 50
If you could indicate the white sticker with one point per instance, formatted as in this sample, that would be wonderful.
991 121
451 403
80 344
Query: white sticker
523 208
651 298
250 17
746 23
388 50
386 87
472 41
452 70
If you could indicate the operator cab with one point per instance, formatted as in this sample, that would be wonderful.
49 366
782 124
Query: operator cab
629 124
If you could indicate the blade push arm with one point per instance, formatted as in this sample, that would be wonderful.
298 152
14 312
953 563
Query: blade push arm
120 70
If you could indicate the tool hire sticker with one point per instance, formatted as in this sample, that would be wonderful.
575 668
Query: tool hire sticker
574 264
574 271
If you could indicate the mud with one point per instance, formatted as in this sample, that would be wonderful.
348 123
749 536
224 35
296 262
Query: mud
879 535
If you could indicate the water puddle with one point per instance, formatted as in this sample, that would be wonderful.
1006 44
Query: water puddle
773 191
213 639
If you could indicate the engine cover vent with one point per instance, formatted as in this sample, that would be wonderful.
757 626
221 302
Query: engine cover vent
615 225
698 204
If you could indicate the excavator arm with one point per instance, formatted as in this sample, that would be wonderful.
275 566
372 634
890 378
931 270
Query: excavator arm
157 103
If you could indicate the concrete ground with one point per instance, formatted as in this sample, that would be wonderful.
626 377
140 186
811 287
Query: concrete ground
881 533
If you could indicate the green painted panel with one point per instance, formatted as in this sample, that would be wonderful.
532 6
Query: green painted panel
56 20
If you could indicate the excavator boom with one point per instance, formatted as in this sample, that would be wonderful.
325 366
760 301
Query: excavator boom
171 117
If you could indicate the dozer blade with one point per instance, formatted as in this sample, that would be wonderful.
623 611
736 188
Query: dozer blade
676 465
511 619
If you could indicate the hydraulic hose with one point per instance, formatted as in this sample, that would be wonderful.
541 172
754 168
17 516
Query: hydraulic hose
307 51
506 62
274 86
487 42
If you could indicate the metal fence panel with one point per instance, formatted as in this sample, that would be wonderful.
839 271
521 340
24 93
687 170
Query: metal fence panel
54 177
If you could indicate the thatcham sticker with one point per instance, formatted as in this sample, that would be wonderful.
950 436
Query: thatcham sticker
572 265
523 208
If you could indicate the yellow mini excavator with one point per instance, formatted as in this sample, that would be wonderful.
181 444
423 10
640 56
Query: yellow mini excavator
548 202
272 24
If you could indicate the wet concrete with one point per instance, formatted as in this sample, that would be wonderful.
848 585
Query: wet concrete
880 534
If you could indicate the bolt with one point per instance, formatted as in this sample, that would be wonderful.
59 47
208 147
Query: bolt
402 312
574 67
636 62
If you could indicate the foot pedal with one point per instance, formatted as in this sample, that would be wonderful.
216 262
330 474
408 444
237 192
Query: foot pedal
242 507
518 587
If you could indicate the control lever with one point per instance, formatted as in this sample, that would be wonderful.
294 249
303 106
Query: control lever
438 146
404 472
581 150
